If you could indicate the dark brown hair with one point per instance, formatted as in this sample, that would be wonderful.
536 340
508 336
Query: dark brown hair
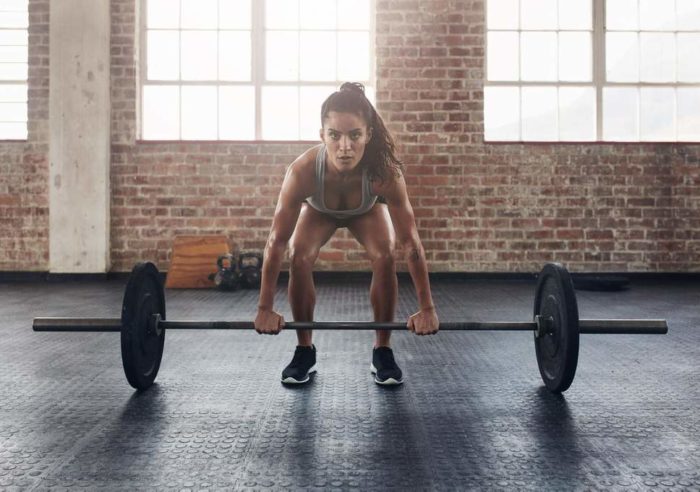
380 154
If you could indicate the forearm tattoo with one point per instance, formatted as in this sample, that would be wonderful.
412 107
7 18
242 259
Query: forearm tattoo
414 255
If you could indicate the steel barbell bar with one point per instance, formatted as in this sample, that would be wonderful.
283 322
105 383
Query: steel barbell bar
586 326
556 326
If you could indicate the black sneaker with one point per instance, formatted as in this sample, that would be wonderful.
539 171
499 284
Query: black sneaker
384 367
303 364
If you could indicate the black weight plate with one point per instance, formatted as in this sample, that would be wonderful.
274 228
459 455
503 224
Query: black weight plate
557 350
142 347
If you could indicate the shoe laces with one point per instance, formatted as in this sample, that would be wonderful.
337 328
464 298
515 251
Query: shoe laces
386 358
299 355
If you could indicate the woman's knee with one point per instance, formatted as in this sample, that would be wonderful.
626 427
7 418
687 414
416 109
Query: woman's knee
301 260
383 258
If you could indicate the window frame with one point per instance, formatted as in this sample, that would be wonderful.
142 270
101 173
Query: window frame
599 82
257 81
23 82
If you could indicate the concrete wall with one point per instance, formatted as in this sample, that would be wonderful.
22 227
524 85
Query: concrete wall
79 136
492 207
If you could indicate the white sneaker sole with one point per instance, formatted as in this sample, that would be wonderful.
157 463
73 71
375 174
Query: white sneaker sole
291 380
386 382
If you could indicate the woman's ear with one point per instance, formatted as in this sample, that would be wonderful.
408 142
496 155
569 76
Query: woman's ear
320 135
369 133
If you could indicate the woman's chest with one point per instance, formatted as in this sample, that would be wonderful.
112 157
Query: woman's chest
343 195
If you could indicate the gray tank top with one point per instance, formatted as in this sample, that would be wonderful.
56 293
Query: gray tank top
316 200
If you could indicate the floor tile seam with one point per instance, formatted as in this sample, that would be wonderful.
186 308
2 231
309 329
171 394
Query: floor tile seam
69 454
259 421
422 433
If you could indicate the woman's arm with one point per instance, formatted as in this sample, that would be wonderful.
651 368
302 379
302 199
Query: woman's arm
295 189
401 211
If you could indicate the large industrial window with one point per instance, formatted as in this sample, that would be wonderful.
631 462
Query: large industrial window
592 70
249 69
14 22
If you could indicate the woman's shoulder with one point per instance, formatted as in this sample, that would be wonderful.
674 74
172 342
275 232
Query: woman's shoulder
302 171
387 185
306 162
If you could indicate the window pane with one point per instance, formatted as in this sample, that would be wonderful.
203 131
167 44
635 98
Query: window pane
538 14
575 15
235 14
353 56
688 15
317 14
622 56
539 113
163 55
161 112
503 57
621 15
237 113
199 14
577 115
163 14
14 19
13 111
282 14
199 55
234 55
310 100
369 94
13 92
656 15
657 114
280 113
13 131
282 55
199 113
14 71
13 37
353 14
620 113
688 49
688 109
14 5
538 56
657 57
501 113
503 14
317 55
13 54
575 56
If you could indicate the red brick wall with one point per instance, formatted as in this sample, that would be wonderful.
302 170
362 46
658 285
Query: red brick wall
479 207
24 169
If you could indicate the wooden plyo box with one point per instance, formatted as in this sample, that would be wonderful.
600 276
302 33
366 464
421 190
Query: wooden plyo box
194 259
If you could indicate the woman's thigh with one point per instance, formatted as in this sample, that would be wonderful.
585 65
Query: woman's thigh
312 231
375 231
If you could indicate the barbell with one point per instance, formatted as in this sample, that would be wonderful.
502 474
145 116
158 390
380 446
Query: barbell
556 326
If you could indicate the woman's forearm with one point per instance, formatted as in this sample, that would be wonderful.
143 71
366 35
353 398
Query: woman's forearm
273 256
418 268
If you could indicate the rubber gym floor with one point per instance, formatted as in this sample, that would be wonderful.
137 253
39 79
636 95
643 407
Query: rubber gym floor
472 414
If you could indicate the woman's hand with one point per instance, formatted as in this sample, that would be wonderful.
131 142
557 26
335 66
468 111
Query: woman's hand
268 322
424 322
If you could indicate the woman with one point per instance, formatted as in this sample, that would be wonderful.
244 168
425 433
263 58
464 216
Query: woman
337 184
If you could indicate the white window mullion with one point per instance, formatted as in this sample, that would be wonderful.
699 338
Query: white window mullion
258 35
599 62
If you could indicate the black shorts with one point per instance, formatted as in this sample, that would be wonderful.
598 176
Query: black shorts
342 223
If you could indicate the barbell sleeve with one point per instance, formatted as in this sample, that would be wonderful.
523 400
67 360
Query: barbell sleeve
586 326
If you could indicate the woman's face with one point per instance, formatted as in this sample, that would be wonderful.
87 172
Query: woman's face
345 136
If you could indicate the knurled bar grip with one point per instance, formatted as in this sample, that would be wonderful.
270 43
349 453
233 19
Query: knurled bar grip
586 326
